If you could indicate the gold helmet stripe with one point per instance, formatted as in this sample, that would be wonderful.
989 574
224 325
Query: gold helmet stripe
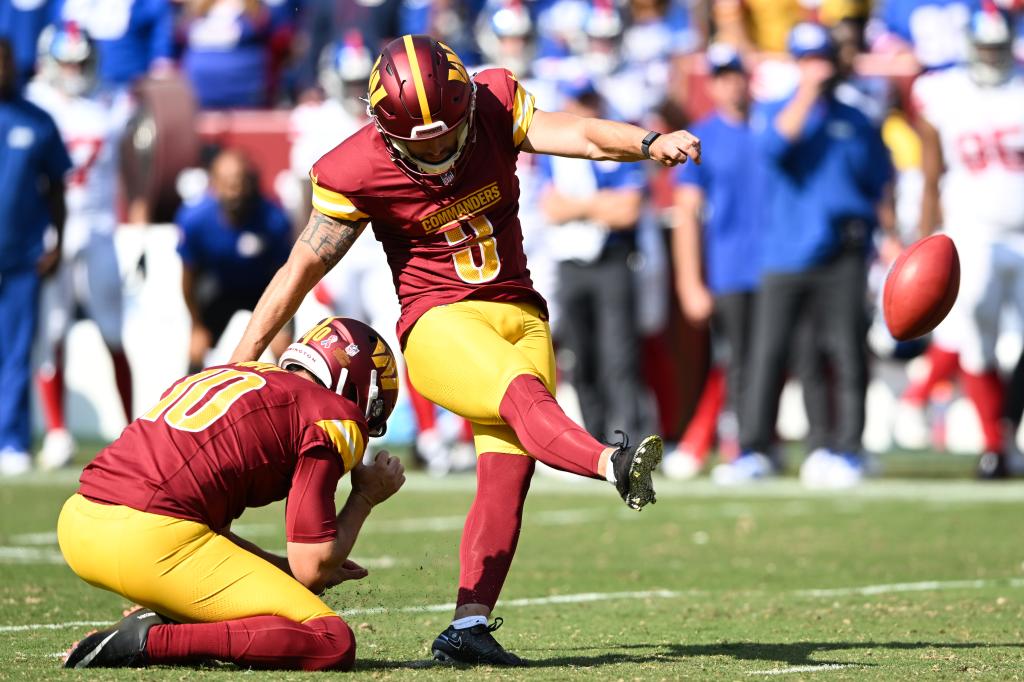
417 79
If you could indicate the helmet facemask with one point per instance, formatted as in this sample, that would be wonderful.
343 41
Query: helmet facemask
420 168
990 65
989 48
419 90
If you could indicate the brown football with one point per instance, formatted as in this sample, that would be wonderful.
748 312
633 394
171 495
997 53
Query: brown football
921 287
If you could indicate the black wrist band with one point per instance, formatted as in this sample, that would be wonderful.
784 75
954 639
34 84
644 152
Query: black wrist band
645 146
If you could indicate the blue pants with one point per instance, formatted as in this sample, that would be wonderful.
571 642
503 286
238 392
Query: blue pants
19 294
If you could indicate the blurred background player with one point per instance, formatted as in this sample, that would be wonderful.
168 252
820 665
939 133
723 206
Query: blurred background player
133 38
21 23
718 213
929 31
233 51
151 520
34 161
232 241
328 113
828 171
972 136
89 277
593 208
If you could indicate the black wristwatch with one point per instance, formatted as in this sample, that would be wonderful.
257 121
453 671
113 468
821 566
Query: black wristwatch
645 146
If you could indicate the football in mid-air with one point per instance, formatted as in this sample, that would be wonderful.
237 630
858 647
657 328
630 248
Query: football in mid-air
921 287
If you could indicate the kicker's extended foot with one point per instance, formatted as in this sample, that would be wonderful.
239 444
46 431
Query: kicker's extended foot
633 467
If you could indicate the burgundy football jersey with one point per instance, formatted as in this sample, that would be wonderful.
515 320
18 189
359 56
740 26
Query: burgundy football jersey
228 438
449 243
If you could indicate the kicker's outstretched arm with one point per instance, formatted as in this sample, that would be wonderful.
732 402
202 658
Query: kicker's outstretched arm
323 243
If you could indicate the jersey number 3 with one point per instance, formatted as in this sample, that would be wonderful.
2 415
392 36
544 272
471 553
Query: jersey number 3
478 231
201 399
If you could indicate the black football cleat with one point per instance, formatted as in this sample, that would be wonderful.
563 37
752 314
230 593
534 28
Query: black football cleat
633 467
122 646
992 466
475 645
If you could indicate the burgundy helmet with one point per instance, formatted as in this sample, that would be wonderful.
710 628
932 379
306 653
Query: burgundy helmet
351 359
420 90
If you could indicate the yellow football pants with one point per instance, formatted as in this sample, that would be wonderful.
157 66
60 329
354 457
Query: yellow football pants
464 355
179 568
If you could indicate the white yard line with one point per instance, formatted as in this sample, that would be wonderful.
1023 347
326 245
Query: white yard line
530 601
55 626
27 548
960 491
803 669
30 555
924 586
584 597
565 517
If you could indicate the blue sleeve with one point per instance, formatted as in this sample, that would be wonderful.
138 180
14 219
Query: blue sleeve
882 171
162 39
774 145
56 162
691 174
544 174
896 19
622 176
766 136
285 14
414 16
280 229
186 242
684 38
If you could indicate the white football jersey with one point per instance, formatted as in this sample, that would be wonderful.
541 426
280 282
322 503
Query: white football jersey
91 132
316 128
982 136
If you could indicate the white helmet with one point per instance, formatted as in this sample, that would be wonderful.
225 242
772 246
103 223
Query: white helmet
990 47
63 46
343 70
504 32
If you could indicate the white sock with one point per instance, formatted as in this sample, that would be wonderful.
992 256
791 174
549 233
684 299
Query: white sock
609 472
468 622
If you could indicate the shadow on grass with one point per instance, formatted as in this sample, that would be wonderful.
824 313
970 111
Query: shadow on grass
790 653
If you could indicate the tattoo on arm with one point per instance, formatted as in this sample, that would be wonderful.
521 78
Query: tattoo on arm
330 239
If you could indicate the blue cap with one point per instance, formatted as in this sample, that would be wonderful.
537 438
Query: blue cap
723 57
808 39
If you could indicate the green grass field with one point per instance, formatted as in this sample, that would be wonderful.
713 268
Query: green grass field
903 578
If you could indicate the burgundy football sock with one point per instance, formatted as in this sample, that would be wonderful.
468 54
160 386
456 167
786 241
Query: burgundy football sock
942 365
986 392
700 432
545 431
492 526
123 377
270 642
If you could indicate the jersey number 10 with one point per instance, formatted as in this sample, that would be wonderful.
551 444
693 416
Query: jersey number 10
198 401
